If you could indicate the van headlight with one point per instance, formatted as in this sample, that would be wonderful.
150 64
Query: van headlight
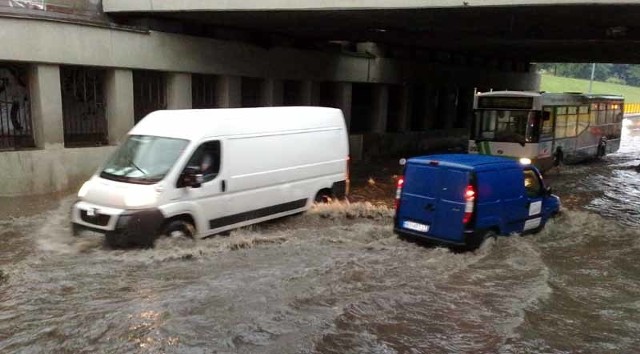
84 189
525 161
141 198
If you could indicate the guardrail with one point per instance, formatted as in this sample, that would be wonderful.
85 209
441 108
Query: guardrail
631 108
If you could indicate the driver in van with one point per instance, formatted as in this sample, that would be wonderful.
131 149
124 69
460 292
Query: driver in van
206 166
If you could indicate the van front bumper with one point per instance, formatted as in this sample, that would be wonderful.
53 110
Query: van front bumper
121 227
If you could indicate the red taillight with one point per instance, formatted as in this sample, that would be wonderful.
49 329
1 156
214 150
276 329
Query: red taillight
469 197
399 185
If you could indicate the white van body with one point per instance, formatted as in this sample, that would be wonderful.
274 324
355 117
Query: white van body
273 162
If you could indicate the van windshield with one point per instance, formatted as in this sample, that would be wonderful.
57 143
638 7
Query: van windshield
143 159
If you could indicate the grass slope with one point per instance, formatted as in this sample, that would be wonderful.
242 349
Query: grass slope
552 83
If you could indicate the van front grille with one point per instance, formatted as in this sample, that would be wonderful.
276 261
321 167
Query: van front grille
97 219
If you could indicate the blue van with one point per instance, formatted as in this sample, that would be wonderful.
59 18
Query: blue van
462 199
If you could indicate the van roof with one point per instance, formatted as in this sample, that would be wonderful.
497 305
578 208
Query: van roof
196 124
465 161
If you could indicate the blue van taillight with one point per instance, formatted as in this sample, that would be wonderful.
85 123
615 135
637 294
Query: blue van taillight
399 185
469 197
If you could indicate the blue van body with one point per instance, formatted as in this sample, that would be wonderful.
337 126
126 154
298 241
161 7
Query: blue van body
459 198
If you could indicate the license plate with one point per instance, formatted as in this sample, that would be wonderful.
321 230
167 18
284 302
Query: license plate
415 226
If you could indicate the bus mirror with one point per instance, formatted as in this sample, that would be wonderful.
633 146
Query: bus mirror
546 115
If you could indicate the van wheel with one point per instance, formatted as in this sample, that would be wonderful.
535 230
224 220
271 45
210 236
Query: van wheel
324 196
179 229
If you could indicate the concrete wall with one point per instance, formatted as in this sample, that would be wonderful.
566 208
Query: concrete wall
48 45
46 171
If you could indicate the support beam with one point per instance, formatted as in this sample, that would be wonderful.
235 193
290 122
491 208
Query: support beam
179 91
310 93
273 92
404 117
229 92
380 109
119 99
46 105
343 100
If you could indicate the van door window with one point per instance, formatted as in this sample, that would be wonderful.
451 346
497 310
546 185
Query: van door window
532 184
206 159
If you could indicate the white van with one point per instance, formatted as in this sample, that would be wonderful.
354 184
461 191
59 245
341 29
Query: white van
202 172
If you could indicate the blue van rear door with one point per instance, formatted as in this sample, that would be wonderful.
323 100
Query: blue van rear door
432 201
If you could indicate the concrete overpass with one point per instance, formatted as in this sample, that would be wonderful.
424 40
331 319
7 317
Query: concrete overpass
533 30
76 75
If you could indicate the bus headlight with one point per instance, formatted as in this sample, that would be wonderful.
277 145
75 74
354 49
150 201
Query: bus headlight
525 161
141 198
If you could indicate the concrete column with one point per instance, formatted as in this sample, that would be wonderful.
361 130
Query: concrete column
119 99
449 109
179 91
343 100
46 105
431 100
310 93
404 117
380 109
273 92
229 92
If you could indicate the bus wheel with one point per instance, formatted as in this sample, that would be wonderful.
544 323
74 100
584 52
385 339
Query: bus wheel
602 149
558 157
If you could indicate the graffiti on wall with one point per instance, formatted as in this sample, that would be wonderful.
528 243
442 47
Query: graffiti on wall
14 101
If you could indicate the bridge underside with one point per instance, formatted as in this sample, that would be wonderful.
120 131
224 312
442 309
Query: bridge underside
542 33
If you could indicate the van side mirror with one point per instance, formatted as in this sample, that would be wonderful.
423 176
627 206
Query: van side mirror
191 177
402 161
548 190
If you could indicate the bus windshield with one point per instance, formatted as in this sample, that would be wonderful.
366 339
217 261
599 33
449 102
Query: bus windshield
514 126
143 159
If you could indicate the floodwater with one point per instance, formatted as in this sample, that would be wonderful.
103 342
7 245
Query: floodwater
334 280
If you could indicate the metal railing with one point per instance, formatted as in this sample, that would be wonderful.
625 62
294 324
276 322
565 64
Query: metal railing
631 108
149 93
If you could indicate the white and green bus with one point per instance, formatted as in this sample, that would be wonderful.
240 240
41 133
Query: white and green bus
547 128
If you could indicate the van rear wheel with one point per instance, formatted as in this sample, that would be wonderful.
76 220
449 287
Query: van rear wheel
324 196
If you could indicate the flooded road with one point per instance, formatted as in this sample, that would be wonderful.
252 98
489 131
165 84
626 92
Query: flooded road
335 280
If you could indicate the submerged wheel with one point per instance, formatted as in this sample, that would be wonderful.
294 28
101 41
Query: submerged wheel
179 229
324 196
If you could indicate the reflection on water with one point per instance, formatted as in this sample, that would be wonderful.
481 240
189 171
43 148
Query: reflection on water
337 280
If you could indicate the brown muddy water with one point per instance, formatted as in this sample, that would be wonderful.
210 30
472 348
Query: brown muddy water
335 280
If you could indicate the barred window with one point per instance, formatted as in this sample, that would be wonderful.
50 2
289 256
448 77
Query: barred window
149 93
83 106
16 129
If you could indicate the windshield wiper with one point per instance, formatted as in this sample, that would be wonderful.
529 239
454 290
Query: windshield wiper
136 166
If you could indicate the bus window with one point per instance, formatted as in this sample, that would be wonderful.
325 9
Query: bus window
583 119
572 121
561 122
547 125
533 127
512 126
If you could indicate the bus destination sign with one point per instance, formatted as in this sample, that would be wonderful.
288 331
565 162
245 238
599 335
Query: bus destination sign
490 102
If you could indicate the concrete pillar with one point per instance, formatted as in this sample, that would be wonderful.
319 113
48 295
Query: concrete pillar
449 101
343 100
119 100
404 117
310 95
46 105
179 91
273 92
229 92
431 100
380 109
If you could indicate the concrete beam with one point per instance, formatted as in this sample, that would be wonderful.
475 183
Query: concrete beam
229 92
272 92
310 93
262 5
380 109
